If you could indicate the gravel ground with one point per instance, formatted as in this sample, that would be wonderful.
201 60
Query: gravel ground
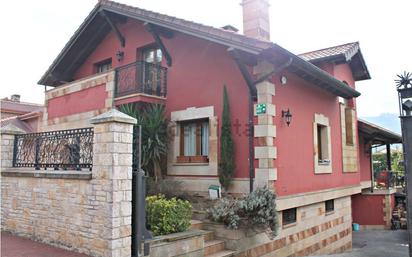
378 243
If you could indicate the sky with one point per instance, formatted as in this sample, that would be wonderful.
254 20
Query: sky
34 32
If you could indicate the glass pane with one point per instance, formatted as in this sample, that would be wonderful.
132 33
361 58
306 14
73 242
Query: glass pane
205 138
158 56
148 56
190 140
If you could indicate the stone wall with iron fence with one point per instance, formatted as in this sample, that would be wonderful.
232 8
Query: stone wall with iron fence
71 206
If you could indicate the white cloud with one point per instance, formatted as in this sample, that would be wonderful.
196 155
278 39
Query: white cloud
36 31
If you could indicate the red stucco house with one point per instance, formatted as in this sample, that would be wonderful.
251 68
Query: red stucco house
122 54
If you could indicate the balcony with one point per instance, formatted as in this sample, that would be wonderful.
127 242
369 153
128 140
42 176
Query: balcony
141 78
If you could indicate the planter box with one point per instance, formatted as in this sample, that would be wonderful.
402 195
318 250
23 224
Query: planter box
183 159
188 243
192 159
199 159
240 239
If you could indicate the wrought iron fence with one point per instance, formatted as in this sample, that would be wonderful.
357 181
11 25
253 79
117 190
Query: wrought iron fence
63 149
141 77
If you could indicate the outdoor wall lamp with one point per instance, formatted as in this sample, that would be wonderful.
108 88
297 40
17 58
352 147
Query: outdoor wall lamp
119 55
287 116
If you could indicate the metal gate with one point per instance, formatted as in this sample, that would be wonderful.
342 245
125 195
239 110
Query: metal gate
140 235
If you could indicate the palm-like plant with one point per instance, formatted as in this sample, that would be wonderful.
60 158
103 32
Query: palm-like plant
154 134
404 80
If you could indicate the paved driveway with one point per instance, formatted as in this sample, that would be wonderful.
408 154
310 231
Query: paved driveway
13 246
378 243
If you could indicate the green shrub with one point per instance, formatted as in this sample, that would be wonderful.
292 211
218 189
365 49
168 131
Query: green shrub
258 209
167 216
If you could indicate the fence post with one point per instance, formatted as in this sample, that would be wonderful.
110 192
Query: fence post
112 177
7 144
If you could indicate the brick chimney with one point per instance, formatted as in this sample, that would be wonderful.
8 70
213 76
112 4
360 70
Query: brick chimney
15 98
256 19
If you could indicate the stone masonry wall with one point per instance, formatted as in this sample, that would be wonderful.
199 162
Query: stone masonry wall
87 212
314 233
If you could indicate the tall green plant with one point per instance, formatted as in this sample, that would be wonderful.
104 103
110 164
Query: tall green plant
154 134
227 163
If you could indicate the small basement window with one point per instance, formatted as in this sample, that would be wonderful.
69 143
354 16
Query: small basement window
289 216
323 144
329 206
103 66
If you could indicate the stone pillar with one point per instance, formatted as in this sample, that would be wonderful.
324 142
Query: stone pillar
7 144
265 132
112 181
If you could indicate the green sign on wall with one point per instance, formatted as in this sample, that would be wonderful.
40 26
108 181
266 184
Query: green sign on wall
260 108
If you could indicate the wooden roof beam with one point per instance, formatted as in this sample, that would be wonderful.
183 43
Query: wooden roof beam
114 28
152 30
243 69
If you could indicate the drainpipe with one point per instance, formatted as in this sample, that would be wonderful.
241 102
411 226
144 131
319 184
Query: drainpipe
251 144
372 173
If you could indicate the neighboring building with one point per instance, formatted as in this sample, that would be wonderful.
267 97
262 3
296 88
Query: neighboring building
372 208
122 54
25 116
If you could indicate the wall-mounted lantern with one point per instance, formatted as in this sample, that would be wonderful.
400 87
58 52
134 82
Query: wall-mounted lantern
287 115
119 55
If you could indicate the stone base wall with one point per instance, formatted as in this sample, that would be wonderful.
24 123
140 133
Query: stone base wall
314 233
63 212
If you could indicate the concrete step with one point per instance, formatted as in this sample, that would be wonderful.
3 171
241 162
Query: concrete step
214 246
224 253
196 224
209 235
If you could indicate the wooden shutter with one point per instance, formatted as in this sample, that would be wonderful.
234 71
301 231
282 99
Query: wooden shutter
349 126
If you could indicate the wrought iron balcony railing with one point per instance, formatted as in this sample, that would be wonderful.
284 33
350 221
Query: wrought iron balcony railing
141 77
63 149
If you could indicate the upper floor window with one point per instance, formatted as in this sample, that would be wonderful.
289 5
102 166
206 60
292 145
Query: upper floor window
322 144
194 141
152 55
103 66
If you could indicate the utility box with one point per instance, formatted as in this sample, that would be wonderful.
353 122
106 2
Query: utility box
215 192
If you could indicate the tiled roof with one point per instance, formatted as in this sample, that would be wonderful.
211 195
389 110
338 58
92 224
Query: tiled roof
347 50
19 107
16 122
263 49
181 24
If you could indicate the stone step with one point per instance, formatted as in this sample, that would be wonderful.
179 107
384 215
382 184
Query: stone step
214 246
199 215
196 224
224 253
209 235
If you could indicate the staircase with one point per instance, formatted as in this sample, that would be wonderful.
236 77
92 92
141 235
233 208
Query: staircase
213 247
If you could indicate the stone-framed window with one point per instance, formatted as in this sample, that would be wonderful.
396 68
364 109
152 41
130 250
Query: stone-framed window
322 144
194 142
